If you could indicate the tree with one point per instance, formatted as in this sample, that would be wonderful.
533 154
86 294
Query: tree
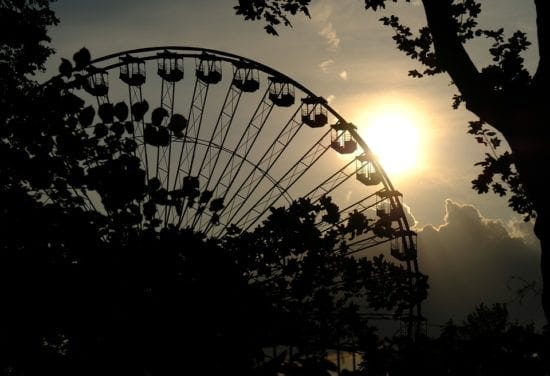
503 95
485 343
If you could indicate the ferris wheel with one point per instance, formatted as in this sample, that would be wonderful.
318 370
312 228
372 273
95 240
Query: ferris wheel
229 138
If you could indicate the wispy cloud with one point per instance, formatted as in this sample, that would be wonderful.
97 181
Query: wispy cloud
328 67
323 15
518 228
348 196
411 220
329 33
325 65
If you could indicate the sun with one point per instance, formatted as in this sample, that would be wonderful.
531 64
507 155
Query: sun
394 138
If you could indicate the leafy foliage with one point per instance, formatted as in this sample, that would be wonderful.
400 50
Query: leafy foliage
499 171
24 32
418 48
375 4
486 343
290 253
508 73
274 12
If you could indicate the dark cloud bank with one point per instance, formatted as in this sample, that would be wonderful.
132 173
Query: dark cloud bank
471 259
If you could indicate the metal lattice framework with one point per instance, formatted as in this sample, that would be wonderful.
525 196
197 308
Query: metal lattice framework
253 137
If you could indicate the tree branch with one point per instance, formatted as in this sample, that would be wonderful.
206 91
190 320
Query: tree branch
543 13
454 59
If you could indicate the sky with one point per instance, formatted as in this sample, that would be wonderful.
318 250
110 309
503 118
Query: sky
474 247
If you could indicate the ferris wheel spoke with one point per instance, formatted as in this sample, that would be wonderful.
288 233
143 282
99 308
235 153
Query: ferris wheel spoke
135 96
220 131
168 92
244 145
331 183
190 131
288 179
313 114
217 139
256 176
188 146
367 242
132 73
196 111
164 153
249 136
360 206
309 114
203 213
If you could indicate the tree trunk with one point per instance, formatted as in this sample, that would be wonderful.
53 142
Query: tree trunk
526 135
542 230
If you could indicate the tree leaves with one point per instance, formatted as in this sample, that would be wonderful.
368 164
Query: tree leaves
273 12
139 109
158 115
177 124
508 73
24 48
65 68
82 58
106 113
416 47
86 116
499 174
375 4
121 111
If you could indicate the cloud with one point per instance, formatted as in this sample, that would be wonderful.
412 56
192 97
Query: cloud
323 14
348 196
471 259
411 220
518 228
325 65
330 98
330 36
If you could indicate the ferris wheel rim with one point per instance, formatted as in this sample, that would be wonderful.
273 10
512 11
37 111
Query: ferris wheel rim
197 52
234 58
152 53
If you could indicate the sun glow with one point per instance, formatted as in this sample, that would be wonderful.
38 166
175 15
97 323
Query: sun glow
394 137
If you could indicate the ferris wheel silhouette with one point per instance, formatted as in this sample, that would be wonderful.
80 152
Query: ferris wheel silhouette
229 138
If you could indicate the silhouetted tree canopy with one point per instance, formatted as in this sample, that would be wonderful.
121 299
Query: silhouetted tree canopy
272 11
485 343
507 100
24 34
